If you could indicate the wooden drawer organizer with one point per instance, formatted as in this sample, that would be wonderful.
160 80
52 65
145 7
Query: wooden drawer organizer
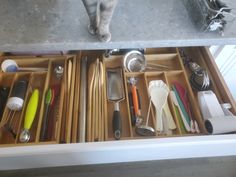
176 72
43 80
67 123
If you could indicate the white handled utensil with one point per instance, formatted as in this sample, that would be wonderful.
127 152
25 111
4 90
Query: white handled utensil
158 92
11 66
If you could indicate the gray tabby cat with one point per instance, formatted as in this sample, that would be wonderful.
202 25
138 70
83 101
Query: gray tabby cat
100 13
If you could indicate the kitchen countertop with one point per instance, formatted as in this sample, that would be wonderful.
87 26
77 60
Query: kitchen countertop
36 25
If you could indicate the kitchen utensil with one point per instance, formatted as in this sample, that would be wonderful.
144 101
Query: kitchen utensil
94 103
58 75
199 78
4 92
102 111
97 98
59 102
59 70
136 103
145 130
115 94
131 107
220 125
9 124
110 52
48 99
155 66
94 100
16 99
197 129
133 81
67 82
167 116
209 105
176 103
29 116
11 66
50 128
180 120
158 92
134 61
184 99
91 75
69 73
83 96
186 116
139 102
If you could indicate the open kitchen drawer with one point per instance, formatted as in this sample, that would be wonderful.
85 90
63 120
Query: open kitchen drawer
101 146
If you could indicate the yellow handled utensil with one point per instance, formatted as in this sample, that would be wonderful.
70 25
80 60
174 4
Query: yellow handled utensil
29 116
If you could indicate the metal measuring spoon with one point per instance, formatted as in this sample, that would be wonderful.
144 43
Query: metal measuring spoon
24 136
58 70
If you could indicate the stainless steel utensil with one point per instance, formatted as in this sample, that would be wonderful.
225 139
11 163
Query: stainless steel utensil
145 130
134 61
115 94
59 70
83 97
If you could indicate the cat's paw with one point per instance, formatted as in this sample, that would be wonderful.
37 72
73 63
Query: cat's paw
104 37
92 30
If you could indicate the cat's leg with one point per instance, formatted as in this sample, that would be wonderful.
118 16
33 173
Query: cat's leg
91 8
106 9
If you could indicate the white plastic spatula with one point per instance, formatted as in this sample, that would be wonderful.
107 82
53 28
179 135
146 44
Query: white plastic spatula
169 117
158 92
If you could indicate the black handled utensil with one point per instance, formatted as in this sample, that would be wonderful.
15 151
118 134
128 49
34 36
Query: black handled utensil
115 94
4 92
